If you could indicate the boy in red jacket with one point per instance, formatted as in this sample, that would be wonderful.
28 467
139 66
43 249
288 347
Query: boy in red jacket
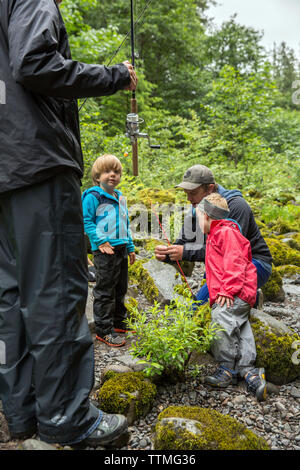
232 285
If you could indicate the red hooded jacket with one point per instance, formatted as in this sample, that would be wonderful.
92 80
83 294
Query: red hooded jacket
228 262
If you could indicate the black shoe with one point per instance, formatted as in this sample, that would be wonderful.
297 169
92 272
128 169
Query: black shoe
22 436
256 383
221 378
112 431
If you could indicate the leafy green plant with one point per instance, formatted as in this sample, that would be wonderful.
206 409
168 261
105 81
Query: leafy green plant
165 337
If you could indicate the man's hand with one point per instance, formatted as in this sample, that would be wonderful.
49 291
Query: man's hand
132 257
160 252
221 299
175 252
133 77
107 248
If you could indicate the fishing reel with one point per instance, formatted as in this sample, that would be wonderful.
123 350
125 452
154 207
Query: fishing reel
133 131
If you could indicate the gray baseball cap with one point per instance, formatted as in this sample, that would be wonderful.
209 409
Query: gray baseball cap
195 176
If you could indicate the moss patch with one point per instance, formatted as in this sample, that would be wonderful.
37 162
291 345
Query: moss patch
283 254
138 275
288 270
117 393
273 287
218 432
274 353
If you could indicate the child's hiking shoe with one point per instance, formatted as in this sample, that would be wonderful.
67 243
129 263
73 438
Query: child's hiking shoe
112 339
221 378
124 330
256 383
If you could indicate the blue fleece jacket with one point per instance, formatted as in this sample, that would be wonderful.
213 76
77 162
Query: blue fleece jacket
106 219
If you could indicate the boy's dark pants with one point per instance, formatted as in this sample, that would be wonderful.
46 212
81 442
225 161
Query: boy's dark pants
46 350
110 290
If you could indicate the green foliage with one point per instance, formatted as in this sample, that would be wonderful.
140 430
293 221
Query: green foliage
165 337
208 95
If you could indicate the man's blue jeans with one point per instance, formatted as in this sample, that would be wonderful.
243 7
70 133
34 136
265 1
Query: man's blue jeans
264 271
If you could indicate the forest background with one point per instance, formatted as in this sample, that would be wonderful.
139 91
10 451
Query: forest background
210 95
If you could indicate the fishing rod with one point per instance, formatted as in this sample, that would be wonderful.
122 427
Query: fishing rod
133 121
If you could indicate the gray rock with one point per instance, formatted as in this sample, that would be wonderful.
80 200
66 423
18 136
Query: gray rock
165 278
277 325
280 407
131 362
295 392
239 400
278 328
34 444
292 289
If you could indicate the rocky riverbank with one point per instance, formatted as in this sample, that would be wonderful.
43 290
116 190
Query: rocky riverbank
277 419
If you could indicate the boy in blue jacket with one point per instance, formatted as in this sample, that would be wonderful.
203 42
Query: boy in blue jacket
106 223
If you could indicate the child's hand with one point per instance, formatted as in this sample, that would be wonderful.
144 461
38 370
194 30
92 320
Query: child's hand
221 299
132 257
106 248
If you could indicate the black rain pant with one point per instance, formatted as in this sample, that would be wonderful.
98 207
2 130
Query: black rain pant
46 350
110 290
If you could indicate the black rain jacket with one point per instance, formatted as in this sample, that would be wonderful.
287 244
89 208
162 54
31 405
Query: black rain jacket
39 87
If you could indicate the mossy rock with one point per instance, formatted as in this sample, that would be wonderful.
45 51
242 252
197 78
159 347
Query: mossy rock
296 238
284 198
291 243
139 276
273 290
194 428
282 254
130 394
131 304
288 270
281 226
152 196
274 350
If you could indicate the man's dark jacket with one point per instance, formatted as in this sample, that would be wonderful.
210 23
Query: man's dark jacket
241 212
39 87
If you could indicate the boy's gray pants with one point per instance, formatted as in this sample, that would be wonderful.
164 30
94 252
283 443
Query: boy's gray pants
234 347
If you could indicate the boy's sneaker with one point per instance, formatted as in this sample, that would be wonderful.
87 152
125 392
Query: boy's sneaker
256 383
112 339
112 431
221 378
124 330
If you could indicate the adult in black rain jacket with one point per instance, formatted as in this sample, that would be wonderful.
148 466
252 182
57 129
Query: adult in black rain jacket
46 350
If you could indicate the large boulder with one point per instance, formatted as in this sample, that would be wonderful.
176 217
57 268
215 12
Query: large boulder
282 254
164 277
194 428
129 394
274 345
273 290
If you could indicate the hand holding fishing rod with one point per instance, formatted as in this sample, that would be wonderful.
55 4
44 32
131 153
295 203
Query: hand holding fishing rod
133 77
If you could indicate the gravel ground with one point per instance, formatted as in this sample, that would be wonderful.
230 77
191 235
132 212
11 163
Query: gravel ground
277 419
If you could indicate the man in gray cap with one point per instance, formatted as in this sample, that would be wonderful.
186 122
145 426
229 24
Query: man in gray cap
198 182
